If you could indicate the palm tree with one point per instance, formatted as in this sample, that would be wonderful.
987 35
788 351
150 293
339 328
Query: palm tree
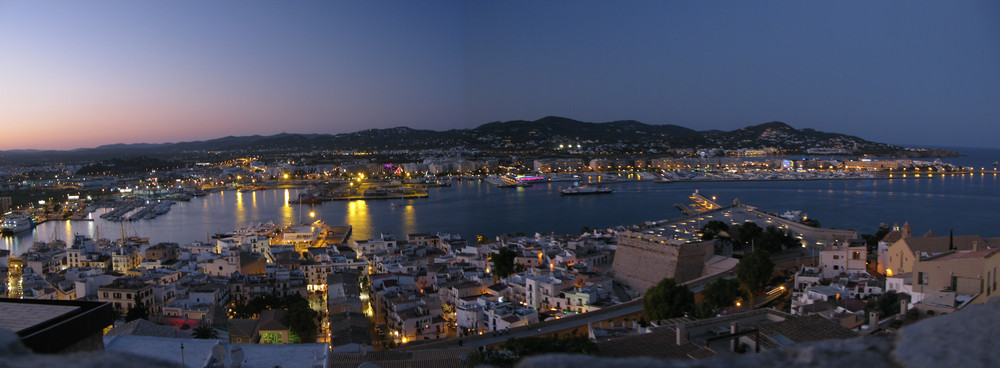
204 332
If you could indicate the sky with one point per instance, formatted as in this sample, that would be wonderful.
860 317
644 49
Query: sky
82 74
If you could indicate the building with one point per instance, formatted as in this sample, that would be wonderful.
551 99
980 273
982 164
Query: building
642 260
270 329
243 331
349 333
57 326
123 293
5 205
904 252
125 258
838 259
951 280
165 251
549 165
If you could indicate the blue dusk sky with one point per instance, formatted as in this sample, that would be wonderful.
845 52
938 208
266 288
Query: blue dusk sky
86 73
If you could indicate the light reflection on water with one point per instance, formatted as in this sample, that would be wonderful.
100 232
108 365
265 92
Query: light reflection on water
359 218
962 203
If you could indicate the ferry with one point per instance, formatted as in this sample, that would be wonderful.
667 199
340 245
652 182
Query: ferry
16 224
585 189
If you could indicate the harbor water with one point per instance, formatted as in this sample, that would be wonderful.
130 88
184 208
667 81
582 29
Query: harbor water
965 203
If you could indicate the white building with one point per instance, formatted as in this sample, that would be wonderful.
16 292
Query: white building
841 259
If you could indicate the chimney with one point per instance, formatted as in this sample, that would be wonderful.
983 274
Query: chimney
680 334
872 321
734 328
975 245
903 307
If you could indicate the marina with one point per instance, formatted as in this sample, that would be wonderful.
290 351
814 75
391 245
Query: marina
471 208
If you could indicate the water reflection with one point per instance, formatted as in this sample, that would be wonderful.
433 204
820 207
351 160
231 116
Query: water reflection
409 220
241 211
358 217
286 209
469 208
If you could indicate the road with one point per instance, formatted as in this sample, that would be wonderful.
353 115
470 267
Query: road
542 328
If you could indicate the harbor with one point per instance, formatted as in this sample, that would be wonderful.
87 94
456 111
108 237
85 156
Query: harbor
459 209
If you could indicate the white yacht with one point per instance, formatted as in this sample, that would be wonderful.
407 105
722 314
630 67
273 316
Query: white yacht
16 224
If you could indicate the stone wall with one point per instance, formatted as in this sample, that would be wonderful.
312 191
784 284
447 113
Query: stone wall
641 263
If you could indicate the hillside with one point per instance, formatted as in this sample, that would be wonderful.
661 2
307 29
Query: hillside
539 136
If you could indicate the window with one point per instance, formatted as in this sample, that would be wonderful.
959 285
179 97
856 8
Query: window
856 255
836 257
836 267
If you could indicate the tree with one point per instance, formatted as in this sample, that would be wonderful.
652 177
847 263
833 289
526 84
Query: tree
666 300
721 293
712 229
300 319
746 234
773 239
138 311
754 271
810 222
872 240
503 262
204 332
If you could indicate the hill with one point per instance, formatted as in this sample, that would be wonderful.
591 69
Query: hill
519 136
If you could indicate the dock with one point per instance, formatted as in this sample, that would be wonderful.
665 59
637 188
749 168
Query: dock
702 204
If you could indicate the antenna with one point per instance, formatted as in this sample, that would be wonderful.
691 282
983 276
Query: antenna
219 354
236 356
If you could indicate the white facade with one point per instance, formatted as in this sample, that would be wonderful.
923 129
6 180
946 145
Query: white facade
837 260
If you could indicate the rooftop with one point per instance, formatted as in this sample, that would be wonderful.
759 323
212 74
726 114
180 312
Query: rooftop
19 316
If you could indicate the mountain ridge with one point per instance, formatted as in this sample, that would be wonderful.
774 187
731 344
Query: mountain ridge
539 135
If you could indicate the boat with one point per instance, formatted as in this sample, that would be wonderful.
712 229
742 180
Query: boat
794 215
586 189
16 224
309 200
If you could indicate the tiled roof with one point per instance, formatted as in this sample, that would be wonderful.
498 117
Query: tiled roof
808 328
270 320
242 327
141 327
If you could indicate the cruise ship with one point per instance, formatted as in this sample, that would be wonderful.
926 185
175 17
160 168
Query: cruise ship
585 189
15 224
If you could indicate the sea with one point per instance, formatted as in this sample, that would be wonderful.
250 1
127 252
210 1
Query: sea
965 204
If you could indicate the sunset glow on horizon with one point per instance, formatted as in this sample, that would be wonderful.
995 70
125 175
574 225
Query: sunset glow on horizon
85 74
